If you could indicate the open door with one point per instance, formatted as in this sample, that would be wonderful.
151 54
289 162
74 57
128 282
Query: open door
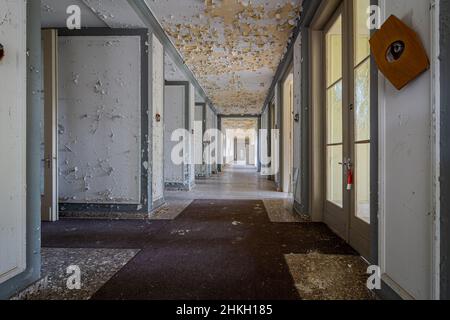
50 161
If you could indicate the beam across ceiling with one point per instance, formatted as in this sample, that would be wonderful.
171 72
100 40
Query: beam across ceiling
146 14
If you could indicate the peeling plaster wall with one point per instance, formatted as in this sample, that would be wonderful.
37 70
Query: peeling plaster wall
405 168
100 120
157 89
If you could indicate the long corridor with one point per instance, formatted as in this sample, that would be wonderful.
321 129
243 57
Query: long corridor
220 246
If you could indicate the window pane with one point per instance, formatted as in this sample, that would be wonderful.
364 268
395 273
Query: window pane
334 114
362 102
334 175
362 182
362 33
334 52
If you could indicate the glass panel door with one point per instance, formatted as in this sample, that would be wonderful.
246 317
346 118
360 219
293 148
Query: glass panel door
361 117
334 119
359 127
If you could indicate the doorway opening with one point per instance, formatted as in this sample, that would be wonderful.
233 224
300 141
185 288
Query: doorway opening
241 142
288 134
341 116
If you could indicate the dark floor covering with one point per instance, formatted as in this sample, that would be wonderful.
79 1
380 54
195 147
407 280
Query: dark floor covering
214 250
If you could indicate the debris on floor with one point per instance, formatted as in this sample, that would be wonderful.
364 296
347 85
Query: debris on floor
60 267
329 277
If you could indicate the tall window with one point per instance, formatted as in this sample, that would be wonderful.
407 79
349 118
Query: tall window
361 69
334 90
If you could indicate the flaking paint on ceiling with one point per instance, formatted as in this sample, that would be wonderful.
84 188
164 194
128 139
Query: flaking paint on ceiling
232 46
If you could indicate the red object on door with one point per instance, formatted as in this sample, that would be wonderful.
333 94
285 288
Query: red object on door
349 179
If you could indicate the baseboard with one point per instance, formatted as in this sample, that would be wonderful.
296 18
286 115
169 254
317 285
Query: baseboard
177 186
386 292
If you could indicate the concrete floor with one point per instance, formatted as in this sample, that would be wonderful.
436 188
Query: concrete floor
235 218
235 182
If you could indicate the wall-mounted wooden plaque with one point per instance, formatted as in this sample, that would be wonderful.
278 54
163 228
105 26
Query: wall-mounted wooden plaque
399 52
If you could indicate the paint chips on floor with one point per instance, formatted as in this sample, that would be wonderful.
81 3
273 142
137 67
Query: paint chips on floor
329 277
96 267
170 210
282 210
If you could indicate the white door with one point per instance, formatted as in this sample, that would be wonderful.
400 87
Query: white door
13 139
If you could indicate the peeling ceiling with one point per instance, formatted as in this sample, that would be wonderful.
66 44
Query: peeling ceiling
232 46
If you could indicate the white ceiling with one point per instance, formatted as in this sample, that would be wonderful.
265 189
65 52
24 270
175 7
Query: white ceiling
232 46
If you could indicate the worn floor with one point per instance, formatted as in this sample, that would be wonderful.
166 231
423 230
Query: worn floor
214 248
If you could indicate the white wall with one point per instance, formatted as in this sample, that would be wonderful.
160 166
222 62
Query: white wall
13 139
157 89
405 169
100 119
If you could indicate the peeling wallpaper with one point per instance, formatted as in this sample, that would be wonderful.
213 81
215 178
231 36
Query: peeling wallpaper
232 46
99 120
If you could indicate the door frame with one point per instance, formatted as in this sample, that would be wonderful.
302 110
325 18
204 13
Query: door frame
335 217
287 145
326 12
50 200
146 108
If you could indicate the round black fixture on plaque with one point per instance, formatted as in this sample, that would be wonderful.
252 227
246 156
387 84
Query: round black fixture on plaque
2 52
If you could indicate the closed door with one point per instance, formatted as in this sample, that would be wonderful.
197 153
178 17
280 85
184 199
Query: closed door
347 124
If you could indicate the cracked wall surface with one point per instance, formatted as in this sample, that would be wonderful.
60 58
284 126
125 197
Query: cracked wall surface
99 120
232 46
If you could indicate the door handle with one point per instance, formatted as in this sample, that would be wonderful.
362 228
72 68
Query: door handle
48 162
348 164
